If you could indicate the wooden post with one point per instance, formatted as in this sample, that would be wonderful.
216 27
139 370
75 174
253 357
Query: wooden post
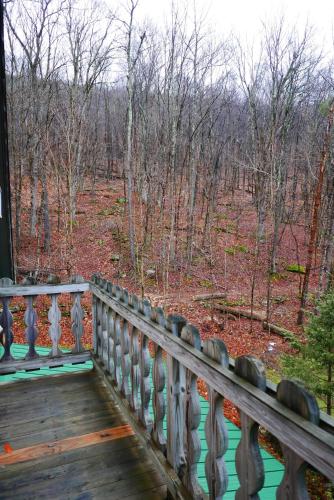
6 322
249 463
295 397
77 315
159 379
175 400
216 433
192 415
54 317
145 368
31 332
135 369
110 334
125 350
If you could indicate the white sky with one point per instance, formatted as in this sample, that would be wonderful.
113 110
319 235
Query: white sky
244 17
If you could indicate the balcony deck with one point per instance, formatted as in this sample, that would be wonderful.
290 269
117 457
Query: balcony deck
97 420
126 419
70 440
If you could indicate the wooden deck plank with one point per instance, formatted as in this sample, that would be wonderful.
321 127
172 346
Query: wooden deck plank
23 437
127 444
273 468
63 445
70 441
78 476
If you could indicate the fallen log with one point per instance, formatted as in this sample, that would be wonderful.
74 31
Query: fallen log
282 332
259 316
209 296
245 313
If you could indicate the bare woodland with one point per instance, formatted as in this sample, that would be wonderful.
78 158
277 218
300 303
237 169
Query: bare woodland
185 119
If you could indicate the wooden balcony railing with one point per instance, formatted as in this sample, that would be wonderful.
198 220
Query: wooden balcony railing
32 360
126 329
143 355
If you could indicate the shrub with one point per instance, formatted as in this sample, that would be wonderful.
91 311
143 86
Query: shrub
315 363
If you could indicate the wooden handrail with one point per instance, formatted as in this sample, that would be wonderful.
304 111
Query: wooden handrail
32 359
23 291
291 414
126 333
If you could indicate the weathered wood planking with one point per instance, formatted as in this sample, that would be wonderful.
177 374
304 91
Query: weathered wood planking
45 361
95 453
216 432
294 396
22 291
71 443
175 400
307 440
249 463
175 486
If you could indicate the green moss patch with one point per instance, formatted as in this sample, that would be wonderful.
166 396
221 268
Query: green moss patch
295 268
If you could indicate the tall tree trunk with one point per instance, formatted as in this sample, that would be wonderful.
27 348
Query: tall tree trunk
315 213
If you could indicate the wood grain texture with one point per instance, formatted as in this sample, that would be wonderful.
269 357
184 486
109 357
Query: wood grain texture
77 315
22 291
159 380
72 443
110 335
216 433
175 400
6 334
125 353
310 442
43 362
54 317
249 463
294 395
117 351
31 332
159 404
71 440
145 382
135 370
104 335
174 484
192 415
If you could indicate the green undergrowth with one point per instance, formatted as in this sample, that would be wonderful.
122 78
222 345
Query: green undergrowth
295 268
233 250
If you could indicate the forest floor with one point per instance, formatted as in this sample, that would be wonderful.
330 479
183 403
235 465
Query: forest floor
100 245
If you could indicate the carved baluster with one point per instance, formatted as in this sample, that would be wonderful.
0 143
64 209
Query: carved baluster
77 315
125 346
145 367
54 317
6 322
216 433
159 378
175 396
192 415
104 334
295 397
99 328
135 369
31 332
94 321
249 463
117 353
110 334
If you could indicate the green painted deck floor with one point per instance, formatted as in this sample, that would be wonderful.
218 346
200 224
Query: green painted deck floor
273 468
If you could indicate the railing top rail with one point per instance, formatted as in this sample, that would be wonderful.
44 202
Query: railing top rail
25 290
309 441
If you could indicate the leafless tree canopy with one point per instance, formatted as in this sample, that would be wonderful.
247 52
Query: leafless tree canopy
181 115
